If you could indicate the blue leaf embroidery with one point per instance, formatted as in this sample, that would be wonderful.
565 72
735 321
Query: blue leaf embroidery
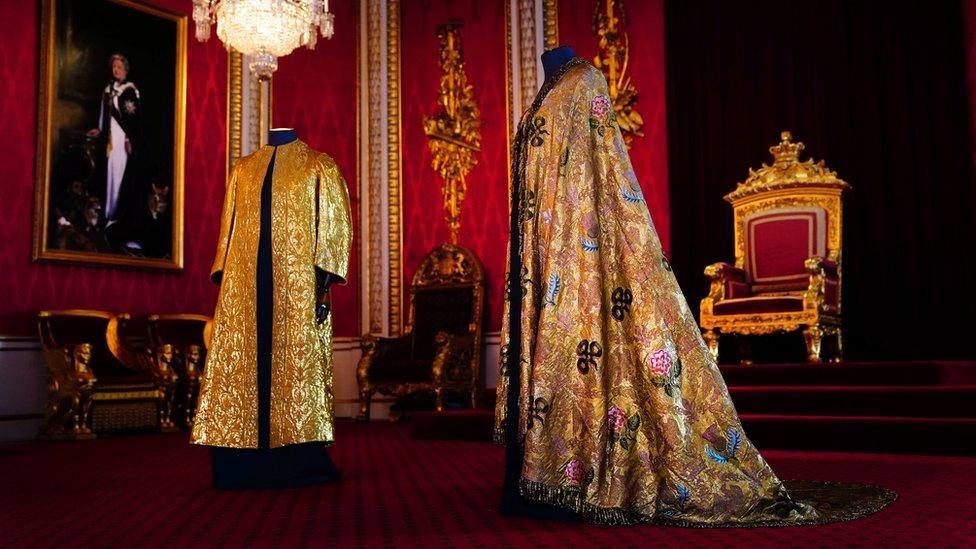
684 495
631 195
733 443
589 245
553 290
715 456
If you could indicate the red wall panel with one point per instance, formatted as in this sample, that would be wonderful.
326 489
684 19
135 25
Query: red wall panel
484 221
315 92
27 287
645 28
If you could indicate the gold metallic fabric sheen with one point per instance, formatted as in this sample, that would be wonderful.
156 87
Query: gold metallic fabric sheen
310 227
623 413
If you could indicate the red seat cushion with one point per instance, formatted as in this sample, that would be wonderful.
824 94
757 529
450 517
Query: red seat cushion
779 242
753 305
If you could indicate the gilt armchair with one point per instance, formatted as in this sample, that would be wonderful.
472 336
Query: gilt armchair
787 271
184 337
98 382
441 347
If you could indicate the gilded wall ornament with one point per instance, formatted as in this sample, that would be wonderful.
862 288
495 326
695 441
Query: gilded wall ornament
613 59
454 134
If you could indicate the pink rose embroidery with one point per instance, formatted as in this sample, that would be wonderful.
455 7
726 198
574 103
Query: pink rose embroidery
600 106
574 472
661 362
616 419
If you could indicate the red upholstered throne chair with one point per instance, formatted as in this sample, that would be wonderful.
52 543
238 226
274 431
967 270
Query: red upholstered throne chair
441 347
787 272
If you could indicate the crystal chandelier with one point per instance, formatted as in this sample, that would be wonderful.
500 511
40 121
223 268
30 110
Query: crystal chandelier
264 29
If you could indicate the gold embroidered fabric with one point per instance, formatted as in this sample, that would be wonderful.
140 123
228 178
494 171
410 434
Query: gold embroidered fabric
310 227
623 413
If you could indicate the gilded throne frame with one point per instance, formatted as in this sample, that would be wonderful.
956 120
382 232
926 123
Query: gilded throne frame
814 307
456 363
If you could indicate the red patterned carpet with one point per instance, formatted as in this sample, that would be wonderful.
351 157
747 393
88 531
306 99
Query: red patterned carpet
397 491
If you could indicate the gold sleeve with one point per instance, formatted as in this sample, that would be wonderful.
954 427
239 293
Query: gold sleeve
226 225
333 223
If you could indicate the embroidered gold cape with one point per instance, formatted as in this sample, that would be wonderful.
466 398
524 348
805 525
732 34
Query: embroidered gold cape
622 411
310 227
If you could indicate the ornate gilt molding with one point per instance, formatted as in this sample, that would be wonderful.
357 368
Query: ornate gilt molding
454 134
375 238
394 166
613 59
550 24
235 107
381 176
528 66
248 109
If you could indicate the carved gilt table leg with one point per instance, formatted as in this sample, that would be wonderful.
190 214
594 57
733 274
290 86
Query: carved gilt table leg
813 336
711 338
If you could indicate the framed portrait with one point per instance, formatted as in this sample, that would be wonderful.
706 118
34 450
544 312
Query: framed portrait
109 181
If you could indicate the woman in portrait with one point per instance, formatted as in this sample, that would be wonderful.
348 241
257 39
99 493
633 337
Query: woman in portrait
120 127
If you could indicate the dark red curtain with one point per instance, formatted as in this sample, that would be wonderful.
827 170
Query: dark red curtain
877 89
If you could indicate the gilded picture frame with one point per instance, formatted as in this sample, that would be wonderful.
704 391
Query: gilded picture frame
110 156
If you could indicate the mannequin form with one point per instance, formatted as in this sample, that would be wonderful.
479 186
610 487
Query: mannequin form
555 58
281 136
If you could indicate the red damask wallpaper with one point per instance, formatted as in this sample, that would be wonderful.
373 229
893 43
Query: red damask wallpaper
645 27
315 93
27 287
484 221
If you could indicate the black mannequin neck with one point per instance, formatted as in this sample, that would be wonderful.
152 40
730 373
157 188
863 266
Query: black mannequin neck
281 136
555 58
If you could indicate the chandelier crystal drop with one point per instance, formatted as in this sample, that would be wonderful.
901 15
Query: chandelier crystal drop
264 30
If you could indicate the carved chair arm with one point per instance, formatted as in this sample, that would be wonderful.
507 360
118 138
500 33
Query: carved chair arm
453 352
162 364
69 390
155 362
67 368
821 272
382 346
725 271
721 274
138 359
376 347
819 265
446 343
193 357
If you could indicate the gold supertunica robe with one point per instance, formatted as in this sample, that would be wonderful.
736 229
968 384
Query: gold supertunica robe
623 413
310 227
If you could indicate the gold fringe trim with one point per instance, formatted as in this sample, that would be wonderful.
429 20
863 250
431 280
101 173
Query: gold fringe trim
570 497
863 501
